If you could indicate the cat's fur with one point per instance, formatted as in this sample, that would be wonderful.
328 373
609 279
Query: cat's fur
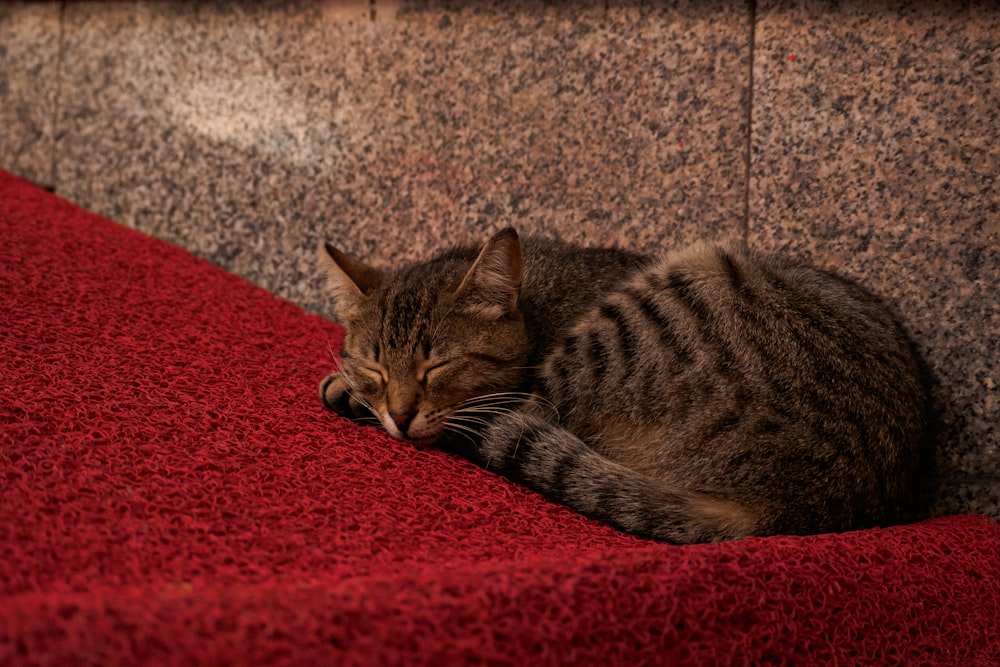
710 394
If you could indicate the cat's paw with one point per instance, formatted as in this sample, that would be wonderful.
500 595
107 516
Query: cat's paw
335 393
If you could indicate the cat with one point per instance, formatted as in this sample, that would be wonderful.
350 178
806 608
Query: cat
709 394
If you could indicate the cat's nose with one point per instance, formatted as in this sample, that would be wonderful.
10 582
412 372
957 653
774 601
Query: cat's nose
402 419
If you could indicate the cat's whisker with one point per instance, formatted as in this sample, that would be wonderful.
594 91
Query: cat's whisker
476 405
524 394
510 400
485 420
487 409
464 415
471 420
338 364
353 392
461 427
461 432
520 435
511 397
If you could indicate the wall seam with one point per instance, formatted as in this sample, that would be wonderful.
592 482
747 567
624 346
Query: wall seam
749 134
52 185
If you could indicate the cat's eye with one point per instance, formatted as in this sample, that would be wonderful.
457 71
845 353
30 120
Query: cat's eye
377 373
425 371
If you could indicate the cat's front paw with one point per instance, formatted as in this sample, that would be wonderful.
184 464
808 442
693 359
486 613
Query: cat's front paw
335 393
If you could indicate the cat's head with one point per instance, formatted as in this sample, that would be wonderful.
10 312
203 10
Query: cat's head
434 346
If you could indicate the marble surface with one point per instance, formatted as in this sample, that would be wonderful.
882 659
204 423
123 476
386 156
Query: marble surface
876 152
860 135
250 133
29 78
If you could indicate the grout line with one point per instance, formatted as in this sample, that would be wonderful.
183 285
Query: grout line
60 54
749 148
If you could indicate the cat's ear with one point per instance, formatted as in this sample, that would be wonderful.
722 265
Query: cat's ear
348 280
492 286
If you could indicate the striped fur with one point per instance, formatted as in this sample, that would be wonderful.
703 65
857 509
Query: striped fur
706 395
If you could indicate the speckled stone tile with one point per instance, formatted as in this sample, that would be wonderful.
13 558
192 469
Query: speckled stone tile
876 151
622 125
231 129
29 75
248 132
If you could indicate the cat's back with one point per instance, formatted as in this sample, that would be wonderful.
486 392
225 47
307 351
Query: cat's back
720 365
756 307
561 281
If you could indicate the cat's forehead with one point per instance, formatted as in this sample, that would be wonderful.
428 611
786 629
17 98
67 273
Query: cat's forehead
417 291
401 316
405 309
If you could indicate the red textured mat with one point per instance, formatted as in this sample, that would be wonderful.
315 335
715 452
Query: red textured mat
171 492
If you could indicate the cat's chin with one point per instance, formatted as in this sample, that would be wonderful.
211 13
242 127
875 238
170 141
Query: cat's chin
428 439
424 442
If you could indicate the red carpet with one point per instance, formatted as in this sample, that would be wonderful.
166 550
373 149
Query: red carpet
171 492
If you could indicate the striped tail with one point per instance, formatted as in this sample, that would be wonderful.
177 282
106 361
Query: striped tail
551 460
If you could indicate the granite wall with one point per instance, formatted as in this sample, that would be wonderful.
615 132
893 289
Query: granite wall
859 134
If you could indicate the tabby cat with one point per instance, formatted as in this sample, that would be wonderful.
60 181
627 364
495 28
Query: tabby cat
709 394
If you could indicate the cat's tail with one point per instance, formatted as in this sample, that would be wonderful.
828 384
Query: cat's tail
553 461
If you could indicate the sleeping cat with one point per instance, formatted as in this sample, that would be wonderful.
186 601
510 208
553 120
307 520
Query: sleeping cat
709 394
